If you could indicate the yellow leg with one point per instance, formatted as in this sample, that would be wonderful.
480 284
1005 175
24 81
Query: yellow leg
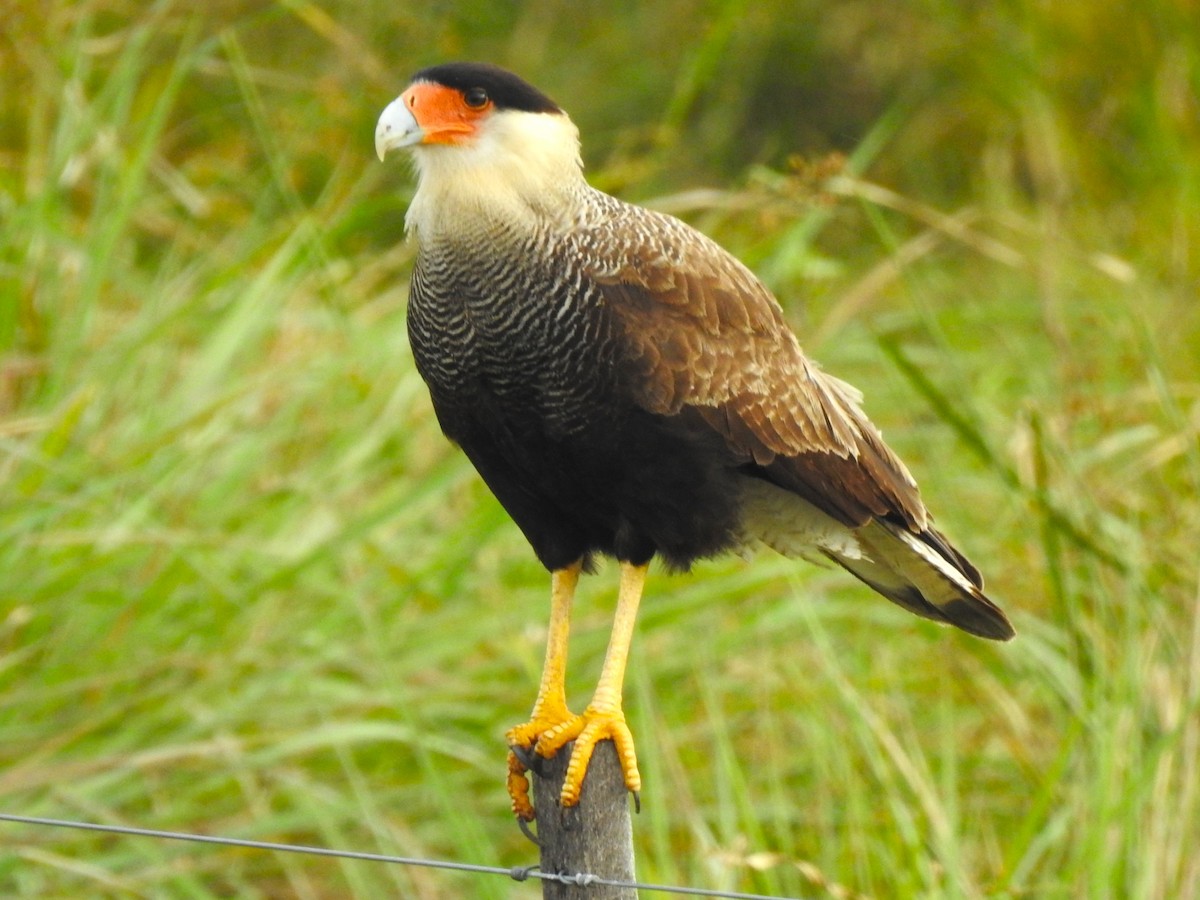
604 717
550 707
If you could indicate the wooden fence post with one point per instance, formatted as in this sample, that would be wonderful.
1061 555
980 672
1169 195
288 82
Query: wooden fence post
596 836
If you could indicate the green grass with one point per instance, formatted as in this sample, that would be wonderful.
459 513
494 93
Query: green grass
246 588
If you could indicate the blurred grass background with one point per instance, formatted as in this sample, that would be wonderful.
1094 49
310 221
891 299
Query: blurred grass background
246 588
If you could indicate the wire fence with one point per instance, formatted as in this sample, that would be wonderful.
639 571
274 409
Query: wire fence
517 873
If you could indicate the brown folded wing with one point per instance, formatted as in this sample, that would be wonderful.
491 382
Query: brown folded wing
704 339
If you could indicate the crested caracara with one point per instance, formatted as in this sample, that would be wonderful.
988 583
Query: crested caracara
627 388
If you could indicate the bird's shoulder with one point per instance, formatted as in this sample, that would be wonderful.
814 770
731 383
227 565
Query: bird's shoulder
666 267
700 329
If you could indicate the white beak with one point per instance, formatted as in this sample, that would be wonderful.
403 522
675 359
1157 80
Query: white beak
397 128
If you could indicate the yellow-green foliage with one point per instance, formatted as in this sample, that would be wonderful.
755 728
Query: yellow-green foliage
246 588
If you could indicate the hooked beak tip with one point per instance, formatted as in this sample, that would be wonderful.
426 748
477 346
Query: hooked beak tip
397 127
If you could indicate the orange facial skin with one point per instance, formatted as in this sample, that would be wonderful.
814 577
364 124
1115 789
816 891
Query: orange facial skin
443 113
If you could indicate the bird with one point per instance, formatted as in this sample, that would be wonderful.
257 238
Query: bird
626 388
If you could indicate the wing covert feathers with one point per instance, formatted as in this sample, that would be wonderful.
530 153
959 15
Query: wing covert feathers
704 340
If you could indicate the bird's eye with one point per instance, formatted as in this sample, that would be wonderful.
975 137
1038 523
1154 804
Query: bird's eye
476 98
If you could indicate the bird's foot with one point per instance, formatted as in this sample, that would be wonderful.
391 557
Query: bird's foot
596 724
522 754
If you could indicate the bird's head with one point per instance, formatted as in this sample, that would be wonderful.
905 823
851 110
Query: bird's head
480 135
457 104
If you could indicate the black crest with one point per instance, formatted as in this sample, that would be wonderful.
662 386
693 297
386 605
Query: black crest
504 88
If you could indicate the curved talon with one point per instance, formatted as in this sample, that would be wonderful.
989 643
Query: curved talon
569 818
529 759
637 801
523 824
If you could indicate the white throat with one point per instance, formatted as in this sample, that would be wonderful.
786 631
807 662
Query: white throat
521 169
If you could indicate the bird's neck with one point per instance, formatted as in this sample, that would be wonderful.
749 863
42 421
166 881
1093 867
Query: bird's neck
523 173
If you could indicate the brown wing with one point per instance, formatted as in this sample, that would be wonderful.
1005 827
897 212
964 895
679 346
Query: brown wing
706 340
